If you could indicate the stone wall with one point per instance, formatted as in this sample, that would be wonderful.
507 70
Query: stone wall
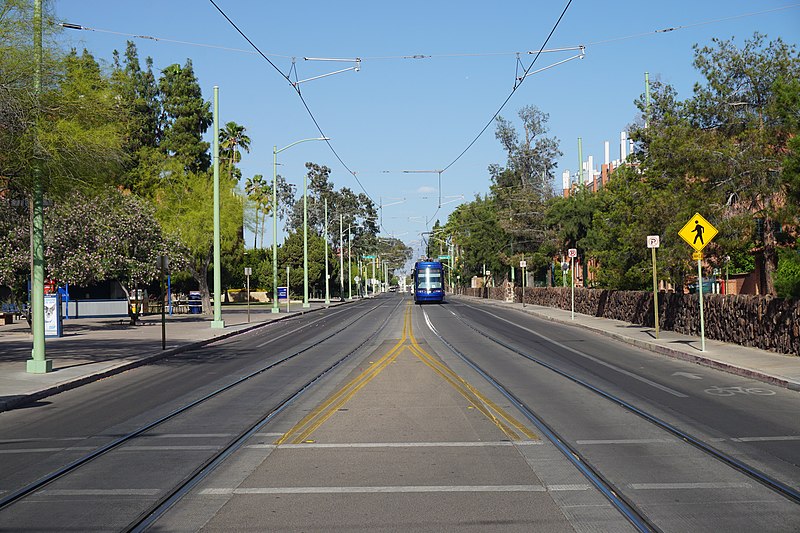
762 322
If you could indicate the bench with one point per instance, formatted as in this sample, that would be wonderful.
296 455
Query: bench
8 313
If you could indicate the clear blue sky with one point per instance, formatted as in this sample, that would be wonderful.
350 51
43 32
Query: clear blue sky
400 113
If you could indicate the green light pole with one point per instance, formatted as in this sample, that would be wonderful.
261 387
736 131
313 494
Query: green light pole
305 242
349 266
38 364
275 153
217 323
327 275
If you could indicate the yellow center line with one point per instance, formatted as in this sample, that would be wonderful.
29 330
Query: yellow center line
301 431
481 402
317 416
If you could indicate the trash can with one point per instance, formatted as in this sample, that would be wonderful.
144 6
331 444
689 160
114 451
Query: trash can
195 303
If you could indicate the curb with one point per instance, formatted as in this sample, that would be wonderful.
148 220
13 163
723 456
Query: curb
15 402
669 352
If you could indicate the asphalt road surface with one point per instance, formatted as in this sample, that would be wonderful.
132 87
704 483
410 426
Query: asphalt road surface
378 415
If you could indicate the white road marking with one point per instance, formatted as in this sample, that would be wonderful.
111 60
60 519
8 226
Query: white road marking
46 450
313 445
189 435
167 448
629 441
592 358
682 486
766 439
99 492
566 488
37 439
369 490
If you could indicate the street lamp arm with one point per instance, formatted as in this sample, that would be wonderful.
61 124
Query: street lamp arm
302 141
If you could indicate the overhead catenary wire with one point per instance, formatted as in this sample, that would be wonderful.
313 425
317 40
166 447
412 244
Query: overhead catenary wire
517 85
296 87
418 56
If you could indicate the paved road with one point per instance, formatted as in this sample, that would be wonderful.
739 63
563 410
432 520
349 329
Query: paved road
403 434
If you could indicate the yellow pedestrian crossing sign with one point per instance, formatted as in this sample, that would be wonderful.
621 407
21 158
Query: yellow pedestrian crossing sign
698 232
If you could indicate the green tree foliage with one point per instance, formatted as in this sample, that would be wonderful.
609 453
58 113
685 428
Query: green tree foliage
137 94
478 237
185 210
522 189
71 128
107 236
89 238
291 254
232 141
187 115
787 277
259 198
358 221
739 103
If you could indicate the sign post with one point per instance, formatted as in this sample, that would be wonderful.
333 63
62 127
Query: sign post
699 229
523 265
572 253
653 242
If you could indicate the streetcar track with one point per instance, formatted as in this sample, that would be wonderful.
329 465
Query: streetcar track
744 468
615 496
166 502
59 473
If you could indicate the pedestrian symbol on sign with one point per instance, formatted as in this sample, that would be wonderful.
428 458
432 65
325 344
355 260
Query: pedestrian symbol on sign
698 230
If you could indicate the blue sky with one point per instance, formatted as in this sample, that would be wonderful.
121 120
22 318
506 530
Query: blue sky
399 113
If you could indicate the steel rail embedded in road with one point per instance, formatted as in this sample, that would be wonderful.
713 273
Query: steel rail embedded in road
636 517
773 484
34 486
171 498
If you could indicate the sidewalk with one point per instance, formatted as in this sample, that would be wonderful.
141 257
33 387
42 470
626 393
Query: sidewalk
782 370
94 348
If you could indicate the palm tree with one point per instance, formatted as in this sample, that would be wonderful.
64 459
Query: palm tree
231 139
255 188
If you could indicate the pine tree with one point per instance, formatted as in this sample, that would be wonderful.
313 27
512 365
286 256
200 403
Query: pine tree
187 116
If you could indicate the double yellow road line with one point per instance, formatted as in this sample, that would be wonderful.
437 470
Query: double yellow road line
302 431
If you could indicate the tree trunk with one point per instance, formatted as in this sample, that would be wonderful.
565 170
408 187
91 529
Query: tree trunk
255 233
200 274
770 258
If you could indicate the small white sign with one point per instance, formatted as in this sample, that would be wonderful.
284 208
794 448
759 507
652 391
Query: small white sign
572 252
248 271
653 241
523 264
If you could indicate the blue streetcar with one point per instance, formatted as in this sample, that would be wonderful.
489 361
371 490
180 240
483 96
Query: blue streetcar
428 282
